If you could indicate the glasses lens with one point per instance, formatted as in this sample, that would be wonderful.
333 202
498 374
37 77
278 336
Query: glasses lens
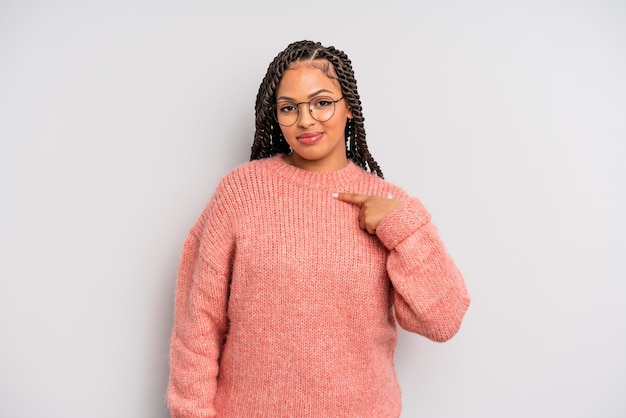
286 113
321 108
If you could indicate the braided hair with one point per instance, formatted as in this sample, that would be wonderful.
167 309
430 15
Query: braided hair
268 137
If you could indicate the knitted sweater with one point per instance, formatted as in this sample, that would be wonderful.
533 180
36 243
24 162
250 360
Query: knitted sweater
285 308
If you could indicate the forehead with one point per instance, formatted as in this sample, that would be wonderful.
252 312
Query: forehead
302 79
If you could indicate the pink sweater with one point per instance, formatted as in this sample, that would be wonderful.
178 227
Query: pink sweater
285 308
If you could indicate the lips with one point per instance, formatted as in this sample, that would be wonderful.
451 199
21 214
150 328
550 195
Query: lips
310 138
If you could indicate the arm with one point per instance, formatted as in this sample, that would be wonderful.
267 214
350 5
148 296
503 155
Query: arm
200 320
430 296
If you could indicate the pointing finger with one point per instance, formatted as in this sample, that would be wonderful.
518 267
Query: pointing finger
355 198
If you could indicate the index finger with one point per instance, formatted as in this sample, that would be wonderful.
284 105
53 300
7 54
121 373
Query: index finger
355 198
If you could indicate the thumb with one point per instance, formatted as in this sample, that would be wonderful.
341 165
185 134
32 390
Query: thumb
355 198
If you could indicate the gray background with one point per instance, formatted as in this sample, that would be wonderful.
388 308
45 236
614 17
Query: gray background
507 119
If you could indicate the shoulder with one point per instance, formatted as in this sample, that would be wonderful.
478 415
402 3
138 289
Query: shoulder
245 183
234 189
247 168
369 183
244 173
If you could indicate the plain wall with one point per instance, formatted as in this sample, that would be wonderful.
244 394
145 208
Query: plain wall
507 119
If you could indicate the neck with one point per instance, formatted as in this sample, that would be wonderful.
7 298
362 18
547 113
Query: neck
316 166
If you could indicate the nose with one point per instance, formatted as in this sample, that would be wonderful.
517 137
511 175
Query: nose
305 118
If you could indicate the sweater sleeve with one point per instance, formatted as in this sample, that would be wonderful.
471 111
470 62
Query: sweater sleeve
429 293
200 320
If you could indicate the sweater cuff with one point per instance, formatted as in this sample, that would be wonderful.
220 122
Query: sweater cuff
403 221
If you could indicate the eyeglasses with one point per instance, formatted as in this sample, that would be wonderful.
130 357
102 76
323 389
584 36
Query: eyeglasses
321 109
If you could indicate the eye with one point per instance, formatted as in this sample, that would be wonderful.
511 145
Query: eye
287 107
322 102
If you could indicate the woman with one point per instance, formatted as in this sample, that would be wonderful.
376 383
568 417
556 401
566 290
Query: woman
293 278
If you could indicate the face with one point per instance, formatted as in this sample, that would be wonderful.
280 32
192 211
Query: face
317 146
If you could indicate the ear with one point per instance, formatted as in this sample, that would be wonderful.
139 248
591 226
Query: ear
350 115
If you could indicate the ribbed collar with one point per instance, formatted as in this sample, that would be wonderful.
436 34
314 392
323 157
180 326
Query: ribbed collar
313 179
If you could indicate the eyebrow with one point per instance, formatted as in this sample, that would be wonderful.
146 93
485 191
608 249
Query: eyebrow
291 99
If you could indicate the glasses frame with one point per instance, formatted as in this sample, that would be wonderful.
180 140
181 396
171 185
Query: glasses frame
297 105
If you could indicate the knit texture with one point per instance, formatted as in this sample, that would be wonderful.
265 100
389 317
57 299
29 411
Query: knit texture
285 308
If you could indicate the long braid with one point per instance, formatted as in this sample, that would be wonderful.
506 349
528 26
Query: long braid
268 138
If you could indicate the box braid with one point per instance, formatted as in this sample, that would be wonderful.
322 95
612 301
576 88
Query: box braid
268 138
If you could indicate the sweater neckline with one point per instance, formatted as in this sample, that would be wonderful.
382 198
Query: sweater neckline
314 179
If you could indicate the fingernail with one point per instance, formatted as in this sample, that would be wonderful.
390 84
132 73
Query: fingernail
335 195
